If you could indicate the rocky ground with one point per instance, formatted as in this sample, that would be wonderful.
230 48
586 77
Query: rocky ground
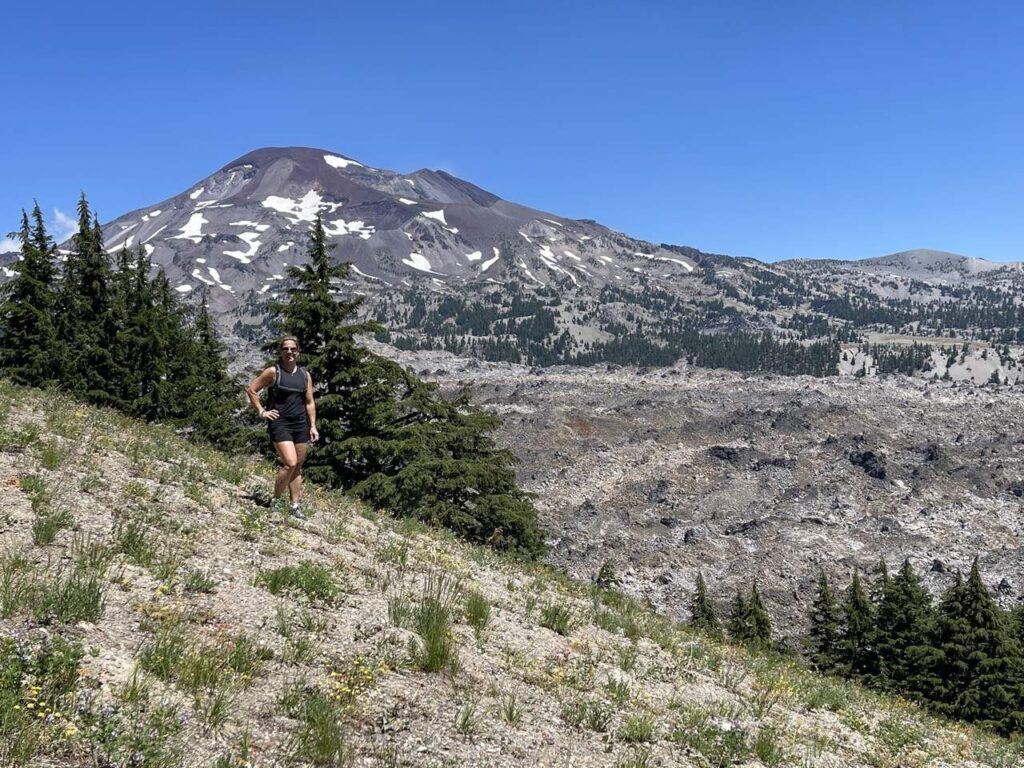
669 471
213 633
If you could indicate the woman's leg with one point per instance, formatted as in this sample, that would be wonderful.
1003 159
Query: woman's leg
289 466
295 484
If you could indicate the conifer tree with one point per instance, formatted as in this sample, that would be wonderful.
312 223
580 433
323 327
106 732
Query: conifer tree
391 438
759 619
981 663
825 626
704 616
210 399
857 657
738 624
85 327
27 306
905 620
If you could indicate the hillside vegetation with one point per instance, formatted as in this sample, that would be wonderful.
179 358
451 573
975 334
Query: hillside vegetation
153 613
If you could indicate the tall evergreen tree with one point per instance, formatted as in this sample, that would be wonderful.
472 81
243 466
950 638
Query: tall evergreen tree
391 438
825 627
904 623
857 657
27 305
981 663
86 330
738 624
210 399
704 616
760 621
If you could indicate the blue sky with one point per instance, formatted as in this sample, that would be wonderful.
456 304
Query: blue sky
774 130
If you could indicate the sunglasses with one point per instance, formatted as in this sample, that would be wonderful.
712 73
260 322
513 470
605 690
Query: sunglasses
293 350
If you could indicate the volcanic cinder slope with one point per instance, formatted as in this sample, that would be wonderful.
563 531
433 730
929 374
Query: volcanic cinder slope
667 472
237 230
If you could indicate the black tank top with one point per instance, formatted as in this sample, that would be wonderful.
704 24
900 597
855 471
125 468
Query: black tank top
288 392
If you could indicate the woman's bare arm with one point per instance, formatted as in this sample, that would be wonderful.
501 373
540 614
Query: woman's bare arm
264 380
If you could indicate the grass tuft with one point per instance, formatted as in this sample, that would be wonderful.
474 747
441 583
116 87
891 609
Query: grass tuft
308 578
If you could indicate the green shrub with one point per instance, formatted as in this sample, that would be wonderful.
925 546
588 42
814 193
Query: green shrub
768 749
509 709
308 578
556 617
47 524
320 737
432 619
478 612
637 729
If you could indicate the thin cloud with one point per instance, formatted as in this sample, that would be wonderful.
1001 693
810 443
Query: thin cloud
63 226
9 245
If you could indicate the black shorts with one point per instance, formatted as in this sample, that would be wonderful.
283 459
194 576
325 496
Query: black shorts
289 430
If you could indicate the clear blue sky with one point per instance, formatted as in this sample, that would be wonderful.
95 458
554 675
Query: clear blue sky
765 129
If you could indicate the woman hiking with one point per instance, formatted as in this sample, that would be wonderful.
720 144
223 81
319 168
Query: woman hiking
291 420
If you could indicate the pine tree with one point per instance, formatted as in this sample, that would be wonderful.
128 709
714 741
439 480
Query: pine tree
981 662
825 623
738 624
85 329
905 621
209 398
28 340
857 657
705 617
391 438
760 621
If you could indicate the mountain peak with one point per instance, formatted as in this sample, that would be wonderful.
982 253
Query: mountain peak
239 229
266 155
930 261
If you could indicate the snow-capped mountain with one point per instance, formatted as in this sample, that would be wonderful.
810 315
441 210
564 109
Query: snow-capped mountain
238 229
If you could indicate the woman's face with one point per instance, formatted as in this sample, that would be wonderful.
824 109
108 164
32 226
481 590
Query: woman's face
289 352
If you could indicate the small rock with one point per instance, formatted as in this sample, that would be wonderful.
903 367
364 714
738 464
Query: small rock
693 536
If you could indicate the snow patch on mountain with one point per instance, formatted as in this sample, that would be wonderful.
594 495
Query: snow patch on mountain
252 240
340 162
437 215
184 288
201 277
407 201
358 271
193 229
197 193
418 261
253 224
110 248
297 211
490 262
680 262
474 256
340 227
161 229
529 274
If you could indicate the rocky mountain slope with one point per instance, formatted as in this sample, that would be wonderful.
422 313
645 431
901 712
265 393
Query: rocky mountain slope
238 229
666 472
152 613
447 265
